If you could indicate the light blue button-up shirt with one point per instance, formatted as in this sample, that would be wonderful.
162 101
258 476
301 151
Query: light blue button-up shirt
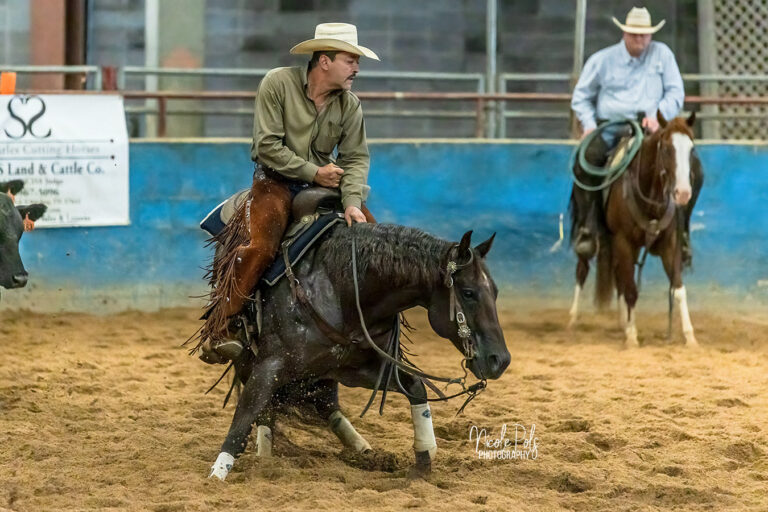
614 85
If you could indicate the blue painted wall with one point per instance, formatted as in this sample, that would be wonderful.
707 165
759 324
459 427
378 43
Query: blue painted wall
516 190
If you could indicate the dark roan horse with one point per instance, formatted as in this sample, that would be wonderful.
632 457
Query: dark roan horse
397 268
641 213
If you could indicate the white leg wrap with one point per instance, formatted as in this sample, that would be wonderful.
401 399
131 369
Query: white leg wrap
221 467
423 433
575 306
263 441
681 298
344 430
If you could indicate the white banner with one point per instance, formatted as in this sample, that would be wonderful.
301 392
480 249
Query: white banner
71 151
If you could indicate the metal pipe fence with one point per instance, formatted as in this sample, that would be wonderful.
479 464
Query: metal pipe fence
485 104
88 71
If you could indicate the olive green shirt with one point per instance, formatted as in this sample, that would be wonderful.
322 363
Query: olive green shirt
293 139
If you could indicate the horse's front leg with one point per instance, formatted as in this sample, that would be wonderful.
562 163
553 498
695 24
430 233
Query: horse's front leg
256 394
582 271
424 443
325 396
624 257
671 258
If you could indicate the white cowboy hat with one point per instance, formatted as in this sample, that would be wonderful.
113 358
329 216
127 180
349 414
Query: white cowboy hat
639 22
336 37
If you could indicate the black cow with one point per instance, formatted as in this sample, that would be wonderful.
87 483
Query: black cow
12 273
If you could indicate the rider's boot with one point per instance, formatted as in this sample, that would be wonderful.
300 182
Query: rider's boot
585 243
225 348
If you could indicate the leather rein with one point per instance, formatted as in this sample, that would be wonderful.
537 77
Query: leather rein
634 197
455 312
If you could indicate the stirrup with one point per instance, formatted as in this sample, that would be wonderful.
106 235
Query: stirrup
229 349
585 245
221 351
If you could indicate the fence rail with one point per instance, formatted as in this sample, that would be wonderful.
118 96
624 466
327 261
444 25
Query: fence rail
485 104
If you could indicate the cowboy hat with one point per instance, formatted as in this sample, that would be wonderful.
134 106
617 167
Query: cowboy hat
340 37
639 22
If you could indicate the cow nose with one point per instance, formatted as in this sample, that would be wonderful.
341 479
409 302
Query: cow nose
20 280
682 196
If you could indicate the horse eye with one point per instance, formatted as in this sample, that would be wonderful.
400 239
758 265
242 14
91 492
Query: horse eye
468 294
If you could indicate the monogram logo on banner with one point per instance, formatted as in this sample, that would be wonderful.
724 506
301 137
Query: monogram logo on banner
25 111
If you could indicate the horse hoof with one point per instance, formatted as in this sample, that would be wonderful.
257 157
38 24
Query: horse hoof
419 471
631 344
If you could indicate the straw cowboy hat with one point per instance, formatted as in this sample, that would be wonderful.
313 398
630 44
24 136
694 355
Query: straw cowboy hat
334 36
639 22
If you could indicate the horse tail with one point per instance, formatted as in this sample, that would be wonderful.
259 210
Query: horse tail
604 281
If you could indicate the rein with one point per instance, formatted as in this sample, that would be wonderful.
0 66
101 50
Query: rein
394 360
464 333
631 192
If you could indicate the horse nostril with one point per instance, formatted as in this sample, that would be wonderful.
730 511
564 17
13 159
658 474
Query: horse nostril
19 280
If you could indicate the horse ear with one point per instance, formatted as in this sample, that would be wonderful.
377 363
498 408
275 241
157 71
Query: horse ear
691 119
464 245
660 119
484 247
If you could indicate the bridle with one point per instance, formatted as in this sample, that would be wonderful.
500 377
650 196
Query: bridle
463 330
455 310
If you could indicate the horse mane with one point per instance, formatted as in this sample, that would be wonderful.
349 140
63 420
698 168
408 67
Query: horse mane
399 255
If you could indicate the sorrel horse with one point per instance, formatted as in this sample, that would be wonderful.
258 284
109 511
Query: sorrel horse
641 213
391 269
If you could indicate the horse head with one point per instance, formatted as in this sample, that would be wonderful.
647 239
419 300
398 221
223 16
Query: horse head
674 156
468 300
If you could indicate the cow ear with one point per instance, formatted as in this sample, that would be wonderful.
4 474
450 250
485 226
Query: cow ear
13 187
35 211
691 119
660 119
484 247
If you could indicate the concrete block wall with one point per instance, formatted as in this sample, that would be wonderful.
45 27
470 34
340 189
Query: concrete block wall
429 35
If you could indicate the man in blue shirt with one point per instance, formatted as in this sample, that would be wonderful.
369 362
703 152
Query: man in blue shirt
633 79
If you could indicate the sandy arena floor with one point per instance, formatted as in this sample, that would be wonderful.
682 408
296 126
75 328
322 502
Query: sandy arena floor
108 413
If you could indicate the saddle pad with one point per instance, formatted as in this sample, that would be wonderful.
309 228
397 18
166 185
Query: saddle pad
301 235
218 218
300 245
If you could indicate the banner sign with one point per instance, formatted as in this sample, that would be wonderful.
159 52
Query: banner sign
71 151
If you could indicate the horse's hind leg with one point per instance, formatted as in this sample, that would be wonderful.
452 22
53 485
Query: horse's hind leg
257 393
672 260
582 271
264 432
325 396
